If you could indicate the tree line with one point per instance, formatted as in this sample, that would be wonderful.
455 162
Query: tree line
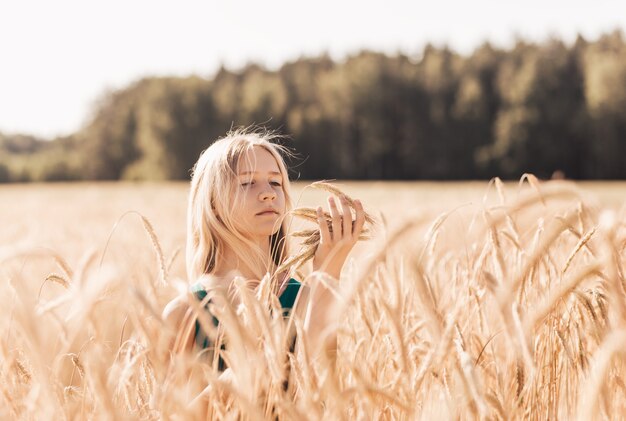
536 107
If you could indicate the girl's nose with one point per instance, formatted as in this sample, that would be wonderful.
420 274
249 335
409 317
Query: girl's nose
267 194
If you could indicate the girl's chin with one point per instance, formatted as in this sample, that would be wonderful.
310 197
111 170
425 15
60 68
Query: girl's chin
263 233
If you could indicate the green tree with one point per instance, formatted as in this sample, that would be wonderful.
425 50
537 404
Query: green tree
605 92
536 129
108 142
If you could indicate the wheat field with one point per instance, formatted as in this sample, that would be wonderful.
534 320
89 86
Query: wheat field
471 301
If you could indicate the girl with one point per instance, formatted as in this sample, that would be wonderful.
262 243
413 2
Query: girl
239 197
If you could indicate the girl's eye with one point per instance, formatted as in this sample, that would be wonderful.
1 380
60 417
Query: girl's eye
251 182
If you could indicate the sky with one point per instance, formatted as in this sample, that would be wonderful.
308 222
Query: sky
58 57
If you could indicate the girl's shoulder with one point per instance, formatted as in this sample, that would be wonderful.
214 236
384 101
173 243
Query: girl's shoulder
175 310
287 296
198 289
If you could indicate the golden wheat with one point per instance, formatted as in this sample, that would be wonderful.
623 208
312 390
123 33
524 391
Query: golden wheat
507 310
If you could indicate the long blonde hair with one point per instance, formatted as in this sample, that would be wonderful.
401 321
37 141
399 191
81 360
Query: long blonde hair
210 227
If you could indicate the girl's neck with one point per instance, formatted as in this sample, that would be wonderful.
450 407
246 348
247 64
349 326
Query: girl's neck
230 263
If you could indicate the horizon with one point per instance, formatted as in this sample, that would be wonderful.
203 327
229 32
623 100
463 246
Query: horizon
57 73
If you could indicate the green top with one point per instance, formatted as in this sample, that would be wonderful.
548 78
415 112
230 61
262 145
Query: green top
287 300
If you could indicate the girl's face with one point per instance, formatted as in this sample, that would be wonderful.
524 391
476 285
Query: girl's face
260 200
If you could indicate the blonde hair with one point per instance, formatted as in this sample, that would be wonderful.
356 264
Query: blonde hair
210 227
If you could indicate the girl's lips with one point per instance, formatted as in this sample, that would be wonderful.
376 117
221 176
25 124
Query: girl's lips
269 212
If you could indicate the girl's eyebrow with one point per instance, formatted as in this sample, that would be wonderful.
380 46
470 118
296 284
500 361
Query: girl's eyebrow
256 172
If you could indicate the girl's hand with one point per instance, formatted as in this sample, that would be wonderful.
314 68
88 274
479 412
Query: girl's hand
335 246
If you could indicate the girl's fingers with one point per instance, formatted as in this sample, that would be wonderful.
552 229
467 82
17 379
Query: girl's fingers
324 232
360 219
336 219
346 218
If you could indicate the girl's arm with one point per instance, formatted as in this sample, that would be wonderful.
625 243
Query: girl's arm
177 319
330 257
